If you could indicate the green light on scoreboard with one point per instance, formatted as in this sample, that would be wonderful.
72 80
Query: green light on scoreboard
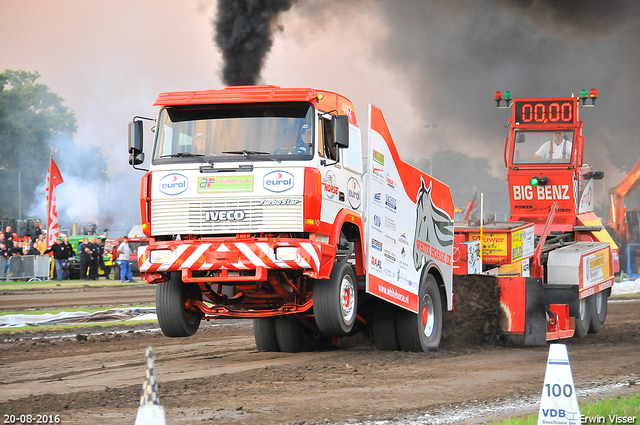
534 181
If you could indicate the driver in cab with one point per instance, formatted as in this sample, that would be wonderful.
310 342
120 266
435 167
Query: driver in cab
199 144
303 143
558 148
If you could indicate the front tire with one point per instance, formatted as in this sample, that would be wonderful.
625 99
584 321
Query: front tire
174 319
421 332
335 301
598 311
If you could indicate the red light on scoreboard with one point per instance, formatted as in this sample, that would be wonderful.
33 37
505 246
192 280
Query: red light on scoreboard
540 112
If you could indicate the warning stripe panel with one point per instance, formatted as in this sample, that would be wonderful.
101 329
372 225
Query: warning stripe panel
250 255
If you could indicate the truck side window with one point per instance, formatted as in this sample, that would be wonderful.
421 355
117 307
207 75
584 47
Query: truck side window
352 156
320 138
327 141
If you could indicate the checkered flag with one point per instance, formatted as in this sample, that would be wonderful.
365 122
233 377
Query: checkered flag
150 412
150 385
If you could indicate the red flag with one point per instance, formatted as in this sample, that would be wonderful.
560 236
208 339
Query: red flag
54 178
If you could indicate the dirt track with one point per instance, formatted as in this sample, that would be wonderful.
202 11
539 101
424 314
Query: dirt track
217 375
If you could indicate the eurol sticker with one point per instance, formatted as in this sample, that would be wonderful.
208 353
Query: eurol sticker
173 184
278 181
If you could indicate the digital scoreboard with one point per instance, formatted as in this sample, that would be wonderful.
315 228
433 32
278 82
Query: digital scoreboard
545 112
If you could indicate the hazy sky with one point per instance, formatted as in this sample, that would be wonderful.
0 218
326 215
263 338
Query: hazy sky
424 63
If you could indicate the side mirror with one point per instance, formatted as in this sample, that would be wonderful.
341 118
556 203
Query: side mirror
135 138
340 130
136 159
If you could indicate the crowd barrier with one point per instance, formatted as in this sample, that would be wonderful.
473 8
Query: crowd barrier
25 267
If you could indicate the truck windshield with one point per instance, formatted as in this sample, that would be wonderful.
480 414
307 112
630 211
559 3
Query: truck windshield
235 132
534 147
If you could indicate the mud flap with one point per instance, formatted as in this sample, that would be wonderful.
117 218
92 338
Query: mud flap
535 313
522 301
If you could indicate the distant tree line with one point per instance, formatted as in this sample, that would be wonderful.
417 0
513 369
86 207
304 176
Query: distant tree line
35 126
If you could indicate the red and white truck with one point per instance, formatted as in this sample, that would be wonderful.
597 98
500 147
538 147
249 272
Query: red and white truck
258 203
554 260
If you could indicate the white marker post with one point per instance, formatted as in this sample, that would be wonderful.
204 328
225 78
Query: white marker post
559 403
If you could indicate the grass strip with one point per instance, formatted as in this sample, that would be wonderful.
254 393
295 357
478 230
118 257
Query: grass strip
88 310
616 410
15 285
72 327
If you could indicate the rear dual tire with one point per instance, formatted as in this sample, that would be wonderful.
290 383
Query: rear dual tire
421 332
395 328
264 332
598 310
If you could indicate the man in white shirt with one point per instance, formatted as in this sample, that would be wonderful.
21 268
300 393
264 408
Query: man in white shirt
123 256
558 148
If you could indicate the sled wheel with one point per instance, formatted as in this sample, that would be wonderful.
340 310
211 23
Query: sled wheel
173 318
422 331
583 317
598 311
335 301
264 332
294 337
383 325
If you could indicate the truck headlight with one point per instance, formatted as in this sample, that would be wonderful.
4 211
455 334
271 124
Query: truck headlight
160 256
286 253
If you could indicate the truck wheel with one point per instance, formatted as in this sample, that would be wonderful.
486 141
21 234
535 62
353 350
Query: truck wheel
383 325
598 311
422 331
294 337
173 318
335 301
583 318
264 332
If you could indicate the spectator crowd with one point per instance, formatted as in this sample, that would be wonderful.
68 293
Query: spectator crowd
91 252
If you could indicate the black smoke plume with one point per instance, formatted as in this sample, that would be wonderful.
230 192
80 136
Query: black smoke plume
244 33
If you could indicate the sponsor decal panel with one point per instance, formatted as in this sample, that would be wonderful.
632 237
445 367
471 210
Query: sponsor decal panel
391 182
377 173
354 194
329 187
219 184
376 244
377 221
378 157
389 255
376 263
390 203
278 181
390 239
390 223
173 184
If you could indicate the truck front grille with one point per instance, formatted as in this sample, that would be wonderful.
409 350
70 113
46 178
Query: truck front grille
189 216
